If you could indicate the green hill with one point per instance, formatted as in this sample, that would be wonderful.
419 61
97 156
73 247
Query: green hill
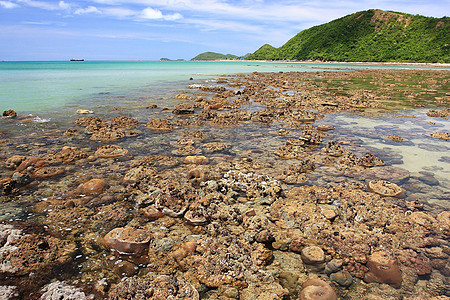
263 52
372 35
214 56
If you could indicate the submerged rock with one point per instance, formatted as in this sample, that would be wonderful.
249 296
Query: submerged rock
93 187
317 289
109 151
154 287
383 269
385 188
62 291
128 240
160 125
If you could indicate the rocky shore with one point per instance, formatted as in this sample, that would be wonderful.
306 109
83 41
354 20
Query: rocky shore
236 190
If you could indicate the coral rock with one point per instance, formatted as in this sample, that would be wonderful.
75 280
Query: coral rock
61 290
317 289
10 113
111 151
196 160
343 278
160 125
34 162
161 287
441 135
183 108
383 269
93 187
384 188
313 255
127 240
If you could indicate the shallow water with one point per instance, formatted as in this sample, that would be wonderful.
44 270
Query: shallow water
425 158
39 86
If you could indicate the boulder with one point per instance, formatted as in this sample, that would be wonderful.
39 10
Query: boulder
383 269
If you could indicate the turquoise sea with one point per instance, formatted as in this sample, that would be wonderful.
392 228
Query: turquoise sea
52 85
106 199
52 92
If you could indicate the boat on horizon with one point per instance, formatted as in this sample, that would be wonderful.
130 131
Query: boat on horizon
73 59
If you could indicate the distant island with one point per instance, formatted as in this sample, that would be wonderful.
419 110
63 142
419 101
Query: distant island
215 56
368 36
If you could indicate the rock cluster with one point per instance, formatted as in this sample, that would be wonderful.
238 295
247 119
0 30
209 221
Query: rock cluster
235 193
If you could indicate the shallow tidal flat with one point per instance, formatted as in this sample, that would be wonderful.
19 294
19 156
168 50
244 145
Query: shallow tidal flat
319 185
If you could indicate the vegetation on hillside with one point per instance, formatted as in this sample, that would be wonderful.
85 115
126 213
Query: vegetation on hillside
263 52
373 35
214 56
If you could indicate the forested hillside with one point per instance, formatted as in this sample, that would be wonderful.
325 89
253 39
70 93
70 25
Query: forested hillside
373 35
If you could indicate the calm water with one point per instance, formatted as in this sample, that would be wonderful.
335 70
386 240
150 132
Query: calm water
55 90
43 86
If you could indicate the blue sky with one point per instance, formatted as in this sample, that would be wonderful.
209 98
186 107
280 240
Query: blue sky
151 29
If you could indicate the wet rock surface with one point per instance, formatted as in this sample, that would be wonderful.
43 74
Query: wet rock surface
248 187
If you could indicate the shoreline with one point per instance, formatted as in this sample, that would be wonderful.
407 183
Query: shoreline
444 65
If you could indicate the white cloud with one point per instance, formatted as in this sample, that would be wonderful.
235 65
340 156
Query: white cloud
65 6
150 13
155 14
87 10
8 4
173 17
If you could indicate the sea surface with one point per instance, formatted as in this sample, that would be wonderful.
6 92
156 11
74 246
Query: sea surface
52 92
49 86
50 203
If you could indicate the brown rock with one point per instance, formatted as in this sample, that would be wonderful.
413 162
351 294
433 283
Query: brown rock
317 289
383 269
125 269
128 240
313 255
35 162
441 135
93 187
395 138
152 213
124 122
109 151
47 172
325 128
196 160
183 109
10 113
160 287
444 219
343 278
185 250
160 125
384 188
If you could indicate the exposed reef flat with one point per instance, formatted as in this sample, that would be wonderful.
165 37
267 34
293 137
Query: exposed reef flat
247 187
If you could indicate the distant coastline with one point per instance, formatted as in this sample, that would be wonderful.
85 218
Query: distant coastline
445 65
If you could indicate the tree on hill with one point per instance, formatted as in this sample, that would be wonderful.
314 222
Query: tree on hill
265 52
214 56
372 35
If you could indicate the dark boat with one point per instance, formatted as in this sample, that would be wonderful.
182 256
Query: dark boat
73 59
